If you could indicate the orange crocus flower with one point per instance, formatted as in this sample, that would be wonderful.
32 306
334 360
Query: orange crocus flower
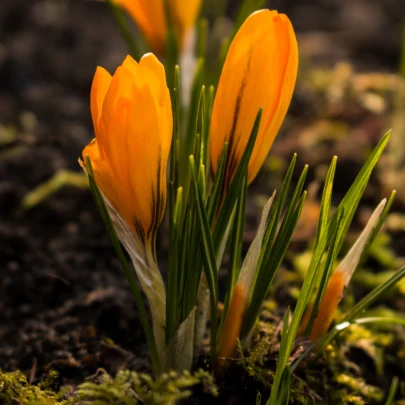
259 71
151 20
132 119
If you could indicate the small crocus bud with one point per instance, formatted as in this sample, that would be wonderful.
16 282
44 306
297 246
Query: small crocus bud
339 281
232 326
259 71
327 309
132 119
150 17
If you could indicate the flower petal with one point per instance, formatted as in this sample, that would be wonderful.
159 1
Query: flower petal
101 82
259 71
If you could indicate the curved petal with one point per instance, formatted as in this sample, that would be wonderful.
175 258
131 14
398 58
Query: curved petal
130 153
99 87
259 71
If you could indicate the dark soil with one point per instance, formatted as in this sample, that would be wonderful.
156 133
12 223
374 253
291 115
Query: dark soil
63 298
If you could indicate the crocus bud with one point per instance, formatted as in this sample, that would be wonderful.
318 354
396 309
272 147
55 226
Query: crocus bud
339 281
150 17
259 71
132 119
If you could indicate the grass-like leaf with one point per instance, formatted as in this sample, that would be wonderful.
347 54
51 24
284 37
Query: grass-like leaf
392 392
207 253
215 193
236 245
273 252
326 200
235 187
173 275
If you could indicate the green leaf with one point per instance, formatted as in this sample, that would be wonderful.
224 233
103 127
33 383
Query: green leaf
273 253
215 193
235 187
173 276
174 150
352 198
208 255
326 200
303 300
392 392
236 245
278 394
125 31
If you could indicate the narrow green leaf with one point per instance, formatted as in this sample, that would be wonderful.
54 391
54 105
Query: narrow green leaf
215 193
267 270
276 211
392 392
352 198
280 376
201 130
125 31
236 248
173 276
326 200
267 252
208 255
171 48
234 189
174 150
303 300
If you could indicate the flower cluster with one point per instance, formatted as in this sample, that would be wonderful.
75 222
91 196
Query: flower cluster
137 127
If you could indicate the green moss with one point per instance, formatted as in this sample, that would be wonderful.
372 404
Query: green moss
359 386
15 390
130 388
253 364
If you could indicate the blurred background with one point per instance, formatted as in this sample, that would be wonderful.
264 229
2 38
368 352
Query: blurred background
61 290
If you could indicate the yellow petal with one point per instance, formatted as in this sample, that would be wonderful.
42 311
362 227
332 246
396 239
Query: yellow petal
259 71
131 149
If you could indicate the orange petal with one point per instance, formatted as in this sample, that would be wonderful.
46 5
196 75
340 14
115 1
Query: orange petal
150 17
101 82
134 133
232 325
259 71
327 308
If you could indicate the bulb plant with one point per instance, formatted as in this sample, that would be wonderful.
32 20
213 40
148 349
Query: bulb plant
154 156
